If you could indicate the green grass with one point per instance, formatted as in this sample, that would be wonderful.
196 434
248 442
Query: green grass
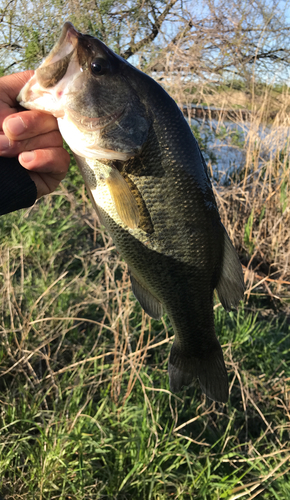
86 411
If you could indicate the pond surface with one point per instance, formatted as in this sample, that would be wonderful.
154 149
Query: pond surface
228 143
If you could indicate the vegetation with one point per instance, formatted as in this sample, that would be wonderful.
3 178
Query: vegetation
85 408
215 40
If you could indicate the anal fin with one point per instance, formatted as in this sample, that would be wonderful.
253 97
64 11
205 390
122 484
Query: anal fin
150 304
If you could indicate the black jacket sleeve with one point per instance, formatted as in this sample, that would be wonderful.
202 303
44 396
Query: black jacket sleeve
17 190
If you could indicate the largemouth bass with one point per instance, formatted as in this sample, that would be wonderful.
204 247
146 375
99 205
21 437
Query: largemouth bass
148 182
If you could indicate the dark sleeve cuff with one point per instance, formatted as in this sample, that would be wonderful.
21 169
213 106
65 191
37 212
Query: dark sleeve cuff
17 190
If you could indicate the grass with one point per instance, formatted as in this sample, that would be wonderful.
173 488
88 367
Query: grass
253 189
86 411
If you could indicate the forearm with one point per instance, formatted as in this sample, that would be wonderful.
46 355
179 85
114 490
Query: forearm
17 190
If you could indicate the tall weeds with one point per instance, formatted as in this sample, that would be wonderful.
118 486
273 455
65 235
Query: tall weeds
250 135
254 203
86 411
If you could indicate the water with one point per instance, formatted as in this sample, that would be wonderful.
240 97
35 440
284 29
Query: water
226 144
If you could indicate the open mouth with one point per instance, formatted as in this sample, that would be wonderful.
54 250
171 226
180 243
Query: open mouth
49 75
67 42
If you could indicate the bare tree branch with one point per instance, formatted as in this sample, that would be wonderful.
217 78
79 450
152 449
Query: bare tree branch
135 47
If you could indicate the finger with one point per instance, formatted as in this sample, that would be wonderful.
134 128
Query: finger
10 148
53 161
10 87
28 124
45 183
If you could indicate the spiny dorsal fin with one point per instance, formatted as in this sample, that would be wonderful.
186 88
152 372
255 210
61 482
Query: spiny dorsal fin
230 287
150 304
124 200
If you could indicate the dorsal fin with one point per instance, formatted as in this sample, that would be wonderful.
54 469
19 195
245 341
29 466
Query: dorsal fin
230 287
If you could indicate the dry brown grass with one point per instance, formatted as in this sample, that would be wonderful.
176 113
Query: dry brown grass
80 358
255 207
254 199
82 362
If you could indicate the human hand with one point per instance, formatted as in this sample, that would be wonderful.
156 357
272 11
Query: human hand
33 136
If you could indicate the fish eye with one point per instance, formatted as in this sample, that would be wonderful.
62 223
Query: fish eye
98 66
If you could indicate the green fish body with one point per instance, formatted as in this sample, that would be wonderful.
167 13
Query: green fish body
148 182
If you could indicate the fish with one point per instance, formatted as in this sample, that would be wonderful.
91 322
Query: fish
148 182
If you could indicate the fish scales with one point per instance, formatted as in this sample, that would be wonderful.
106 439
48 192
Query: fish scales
149 185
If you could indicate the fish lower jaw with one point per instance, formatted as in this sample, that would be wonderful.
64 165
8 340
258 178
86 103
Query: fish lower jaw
88 124
86 144
39 107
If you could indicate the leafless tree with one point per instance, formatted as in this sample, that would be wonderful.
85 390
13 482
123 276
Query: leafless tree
210 39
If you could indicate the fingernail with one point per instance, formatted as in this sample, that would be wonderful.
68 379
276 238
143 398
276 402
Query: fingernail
4 143
27 156
15 126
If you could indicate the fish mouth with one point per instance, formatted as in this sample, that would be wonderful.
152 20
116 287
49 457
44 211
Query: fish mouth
91 124
66 43
61 70
55 66
59 65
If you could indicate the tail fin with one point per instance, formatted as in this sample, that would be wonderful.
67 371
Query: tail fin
210 371
230 287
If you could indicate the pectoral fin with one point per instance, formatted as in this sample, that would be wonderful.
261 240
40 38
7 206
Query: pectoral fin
150 304
124 200
122 197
